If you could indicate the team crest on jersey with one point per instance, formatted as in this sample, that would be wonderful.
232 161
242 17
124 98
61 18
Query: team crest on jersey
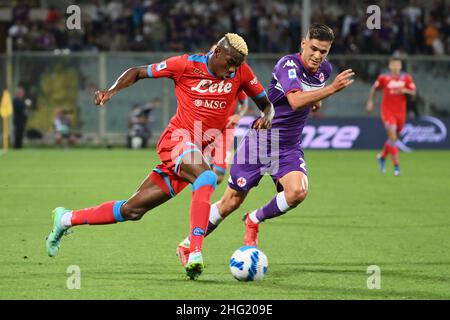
321 77
241 182
292 74
394 84
289 63
161 66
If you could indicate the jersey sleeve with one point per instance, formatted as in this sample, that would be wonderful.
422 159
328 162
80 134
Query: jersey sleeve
170 68
379 83
287 76
327 70
410 83
250 84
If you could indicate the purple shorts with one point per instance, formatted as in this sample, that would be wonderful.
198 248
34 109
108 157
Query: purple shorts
252 161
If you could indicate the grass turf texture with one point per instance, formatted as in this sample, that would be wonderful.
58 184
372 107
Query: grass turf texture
354 217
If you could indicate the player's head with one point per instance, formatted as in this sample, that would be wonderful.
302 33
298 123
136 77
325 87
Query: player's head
316 45
395 65
20 92
228 55
59 112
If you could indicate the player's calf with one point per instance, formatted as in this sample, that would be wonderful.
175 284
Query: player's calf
229 206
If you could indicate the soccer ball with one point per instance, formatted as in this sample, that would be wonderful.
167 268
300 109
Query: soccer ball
248 263
136 142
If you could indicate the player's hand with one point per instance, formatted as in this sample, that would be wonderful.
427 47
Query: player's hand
369 106
233 121
316 106
101 97
343 80
262 123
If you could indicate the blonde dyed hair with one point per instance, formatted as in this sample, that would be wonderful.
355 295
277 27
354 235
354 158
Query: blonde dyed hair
237 42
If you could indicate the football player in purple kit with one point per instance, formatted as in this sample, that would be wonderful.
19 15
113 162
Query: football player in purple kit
297 87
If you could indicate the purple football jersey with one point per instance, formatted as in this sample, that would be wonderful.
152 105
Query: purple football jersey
290 74
260 152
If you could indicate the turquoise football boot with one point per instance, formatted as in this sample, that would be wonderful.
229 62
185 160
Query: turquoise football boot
54 238
194 266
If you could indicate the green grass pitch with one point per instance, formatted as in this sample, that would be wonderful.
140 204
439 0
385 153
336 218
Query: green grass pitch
354 217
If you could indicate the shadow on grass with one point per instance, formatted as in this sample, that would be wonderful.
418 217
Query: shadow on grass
291 270
355 225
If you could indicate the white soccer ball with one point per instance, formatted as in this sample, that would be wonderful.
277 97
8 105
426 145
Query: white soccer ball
136 142
248 263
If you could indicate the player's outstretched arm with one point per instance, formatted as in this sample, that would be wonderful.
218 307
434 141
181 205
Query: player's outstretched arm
369 106
266 107
127 78
411 92
300 99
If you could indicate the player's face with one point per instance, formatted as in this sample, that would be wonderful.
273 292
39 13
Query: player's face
314 52
226 63
395 66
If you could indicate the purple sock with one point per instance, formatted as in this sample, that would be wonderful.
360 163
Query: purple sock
211 227
274 208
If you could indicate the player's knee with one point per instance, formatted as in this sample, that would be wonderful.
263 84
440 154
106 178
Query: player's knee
130 213
208 177
295 196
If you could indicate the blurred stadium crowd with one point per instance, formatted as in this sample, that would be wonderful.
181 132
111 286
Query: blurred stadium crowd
407 26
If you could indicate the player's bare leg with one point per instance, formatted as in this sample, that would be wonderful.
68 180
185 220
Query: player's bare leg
196 170
148 196
295 186
230 202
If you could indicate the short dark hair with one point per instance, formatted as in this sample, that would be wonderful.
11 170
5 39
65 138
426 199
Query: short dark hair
395 58
320 32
